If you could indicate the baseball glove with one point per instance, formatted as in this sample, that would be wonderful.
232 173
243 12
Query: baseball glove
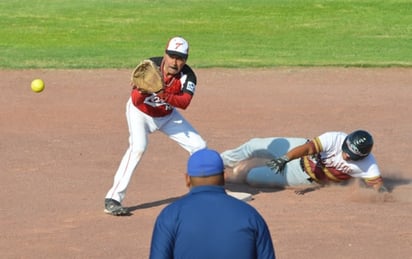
147 78
278 164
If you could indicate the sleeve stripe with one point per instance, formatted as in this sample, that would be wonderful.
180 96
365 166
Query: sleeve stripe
373 180
318 145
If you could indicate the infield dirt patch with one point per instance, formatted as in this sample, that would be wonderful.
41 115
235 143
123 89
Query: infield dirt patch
59 151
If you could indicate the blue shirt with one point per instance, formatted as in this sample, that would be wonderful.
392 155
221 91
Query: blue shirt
208 223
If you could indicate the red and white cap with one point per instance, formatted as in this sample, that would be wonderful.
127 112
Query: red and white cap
178 46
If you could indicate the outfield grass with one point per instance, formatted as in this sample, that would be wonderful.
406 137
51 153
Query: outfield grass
259 33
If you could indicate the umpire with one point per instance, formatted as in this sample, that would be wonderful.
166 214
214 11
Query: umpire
207 222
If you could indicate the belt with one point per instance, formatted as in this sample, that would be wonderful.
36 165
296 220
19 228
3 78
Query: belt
302 166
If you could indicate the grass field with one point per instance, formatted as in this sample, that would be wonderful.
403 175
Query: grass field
261 33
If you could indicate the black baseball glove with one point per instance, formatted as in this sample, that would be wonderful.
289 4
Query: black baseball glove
278 164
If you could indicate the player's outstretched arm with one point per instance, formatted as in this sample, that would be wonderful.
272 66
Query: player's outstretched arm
278 164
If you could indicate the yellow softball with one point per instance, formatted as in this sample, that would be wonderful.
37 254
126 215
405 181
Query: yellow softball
37 85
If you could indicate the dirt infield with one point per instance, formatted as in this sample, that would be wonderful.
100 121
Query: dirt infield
59 150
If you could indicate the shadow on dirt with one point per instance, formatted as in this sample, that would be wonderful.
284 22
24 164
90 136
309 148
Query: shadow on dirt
153 204
390 182
229 187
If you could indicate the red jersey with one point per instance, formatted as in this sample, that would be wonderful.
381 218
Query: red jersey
178 93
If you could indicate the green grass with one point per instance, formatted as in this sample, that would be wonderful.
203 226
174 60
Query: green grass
260 33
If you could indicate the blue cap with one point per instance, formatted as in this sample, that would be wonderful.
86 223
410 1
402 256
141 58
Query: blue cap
205 162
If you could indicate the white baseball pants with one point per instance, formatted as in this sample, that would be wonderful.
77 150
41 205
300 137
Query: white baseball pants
140 126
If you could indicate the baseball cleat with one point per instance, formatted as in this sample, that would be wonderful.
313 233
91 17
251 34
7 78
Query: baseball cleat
114 208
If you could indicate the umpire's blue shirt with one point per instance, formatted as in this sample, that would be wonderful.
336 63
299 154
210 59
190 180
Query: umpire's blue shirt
208 223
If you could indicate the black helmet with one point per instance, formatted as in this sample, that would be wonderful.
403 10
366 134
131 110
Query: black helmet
358 144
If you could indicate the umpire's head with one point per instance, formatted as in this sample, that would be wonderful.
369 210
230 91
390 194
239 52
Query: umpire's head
205 167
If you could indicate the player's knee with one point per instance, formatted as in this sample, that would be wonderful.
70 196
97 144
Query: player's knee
138 153
200 145
254 141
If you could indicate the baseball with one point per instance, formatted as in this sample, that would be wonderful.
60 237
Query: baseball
37 85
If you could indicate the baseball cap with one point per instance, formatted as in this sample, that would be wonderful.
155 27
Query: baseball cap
178 46
205 162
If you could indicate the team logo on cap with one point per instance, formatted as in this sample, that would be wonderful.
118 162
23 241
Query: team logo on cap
178 46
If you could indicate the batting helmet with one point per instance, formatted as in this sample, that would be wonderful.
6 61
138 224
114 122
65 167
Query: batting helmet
358 144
